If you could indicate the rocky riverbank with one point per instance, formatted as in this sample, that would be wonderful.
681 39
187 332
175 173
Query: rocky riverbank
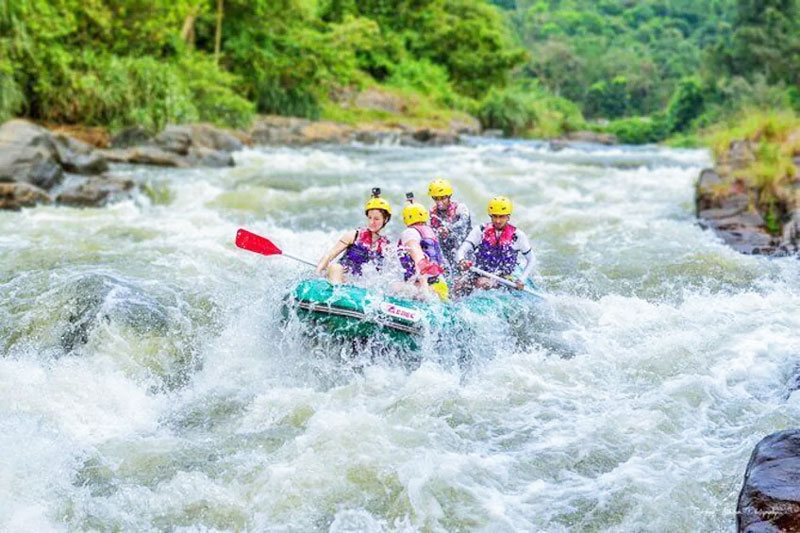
752 214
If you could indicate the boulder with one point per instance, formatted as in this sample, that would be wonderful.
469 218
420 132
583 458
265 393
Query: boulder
95 191
770 496
78 157
208 157
180 139
146 155
99 297
134 136
15 196
28 154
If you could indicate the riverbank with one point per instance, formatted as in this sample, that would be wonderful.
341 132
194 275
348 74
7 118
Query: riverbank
751 197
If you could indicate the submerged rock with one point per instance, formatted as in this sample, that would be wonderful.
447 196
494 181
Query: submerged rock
150 334
15 196
770 497
99 297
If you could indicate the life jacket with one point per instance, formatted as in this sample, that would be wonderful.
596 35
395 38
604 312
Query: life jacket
365 248
496 254
437 217
430 247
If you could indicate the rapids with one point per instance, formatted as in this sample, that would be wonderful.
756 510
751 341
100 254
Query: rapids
147 382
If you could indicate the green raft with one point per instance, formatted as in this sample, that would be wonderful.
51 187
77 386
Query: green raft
353 312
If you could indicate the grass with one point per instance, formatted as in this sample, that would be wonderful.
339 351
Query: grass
415 109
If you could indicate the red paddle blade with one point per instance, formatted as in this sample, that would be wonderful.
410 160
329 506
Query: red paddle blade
256 243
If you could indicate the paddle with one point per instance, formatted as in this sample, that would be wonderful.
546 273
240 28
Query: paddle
261 245
503 281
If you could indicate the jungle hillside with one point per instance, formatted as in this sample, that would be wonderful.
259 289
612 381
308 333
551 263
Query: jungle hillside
645 71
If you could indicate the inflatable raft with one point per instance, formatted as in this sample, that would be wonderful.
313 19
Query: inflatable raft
354 312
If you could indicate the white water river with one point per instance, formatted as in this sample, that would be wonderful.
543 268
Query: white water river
147 383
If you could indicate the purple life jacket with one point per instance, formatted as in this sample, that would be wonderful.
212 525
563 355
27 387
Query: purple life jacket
430 247
364 249
497 255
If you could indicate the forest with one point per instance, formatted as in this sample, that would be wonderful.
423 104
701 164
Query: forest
646 71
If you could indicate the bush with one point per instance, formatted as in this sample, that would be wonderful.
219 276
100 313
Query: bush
423 76
510 110
272 98
640 130
120 91
686 104
531 111
11 97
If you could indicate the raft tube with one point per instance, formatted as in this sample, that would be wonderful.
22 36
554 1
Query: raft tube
354 312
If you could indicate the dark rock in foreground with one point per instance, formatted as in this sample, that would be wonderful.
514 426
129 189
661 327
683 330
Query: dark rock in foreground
770 498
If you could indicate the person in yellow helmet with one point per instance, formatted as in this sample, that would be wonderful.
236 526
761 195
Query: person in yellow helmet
450 219
361 247
496 247
419 251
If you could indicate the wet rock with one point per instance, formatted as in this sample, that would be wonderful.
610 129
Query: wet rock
15 196
180 139
493 133
430 137
78 157
129 137
207 157
28 154
770 496
751 241
95 191
100 297
147 155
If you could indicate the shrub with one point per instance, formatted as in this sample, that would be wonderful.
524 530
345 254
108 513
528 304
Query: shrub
11 97
640 130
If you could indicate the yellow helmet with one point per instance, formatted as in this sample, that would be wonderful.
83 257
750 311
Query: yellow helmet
440 187
500 205
413 213
376 202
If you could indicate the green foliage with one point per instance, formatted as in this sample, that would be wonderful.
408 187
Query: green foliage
510 110
685 105
581 48
640 130
765 40
429 79
11 97
610 100
115 62
528 111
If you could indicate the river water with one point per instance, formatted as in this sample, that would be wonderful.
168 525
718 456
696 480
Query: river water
147 382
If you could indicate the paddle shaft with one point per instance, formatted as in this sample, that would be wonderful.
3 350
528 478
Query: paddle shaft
299 259
501 280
